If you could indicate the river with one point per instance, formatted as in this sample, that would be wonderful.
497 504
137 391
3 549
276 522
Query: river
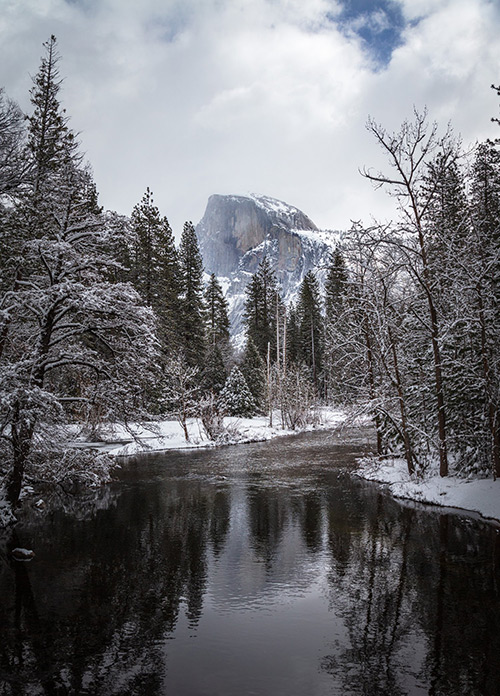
264 569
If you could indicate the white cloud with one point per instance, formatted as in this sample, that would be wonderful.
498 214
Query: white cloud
193 97
377 22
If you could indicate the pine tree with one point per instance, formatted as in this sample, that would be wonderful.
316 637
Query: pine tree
310 322
336 285
448 233
217 315
236 398
146 226
253 370
485 199
485 193
51 143
155 269
336 333
168 285
214 373
51 162
446 221
192 304
120 244
261 305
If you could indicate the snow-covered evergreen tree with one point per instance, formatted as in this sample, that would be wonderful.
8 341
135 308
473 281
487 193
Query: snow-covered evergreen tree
236 398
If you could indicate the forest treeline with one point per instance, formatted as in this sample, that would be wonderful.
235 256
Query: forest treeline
103 318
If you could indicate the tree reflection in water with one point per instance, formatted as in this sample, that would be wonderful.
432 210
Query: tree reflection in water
419 595
107 591
354 593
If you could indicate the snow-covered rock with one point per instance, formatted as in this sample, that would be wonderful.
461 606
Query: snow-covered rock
237 232
23 554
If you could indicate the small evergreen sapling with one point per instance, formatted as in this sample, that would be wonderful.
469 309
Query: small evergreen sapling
236 398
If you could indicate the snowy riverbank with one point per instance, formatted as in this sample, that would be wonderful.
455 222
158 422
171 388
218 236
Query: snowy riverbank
474 495
167 435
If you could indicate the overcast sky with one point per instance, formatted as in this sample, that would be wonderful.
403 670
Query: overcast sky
194 97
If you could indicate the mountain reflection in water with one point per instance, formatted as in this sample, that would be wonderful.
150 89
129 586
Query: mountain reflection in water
259 569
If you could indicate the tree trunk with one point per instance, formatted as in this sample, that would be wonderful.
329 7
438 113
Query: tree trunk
23 426
436 351
269 395
313 357
406 437
22 435
183 420
493 415
371 381
443 449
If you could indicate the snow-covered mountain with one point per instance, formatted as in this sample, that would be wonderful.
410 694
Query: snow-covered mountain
235 234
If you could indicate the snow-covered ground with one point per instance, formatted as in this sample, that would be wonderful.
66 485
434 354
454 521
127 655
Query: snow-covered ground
477 495
166 435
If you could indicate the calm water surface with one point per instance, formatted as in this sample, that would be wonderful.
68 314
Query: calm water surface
261 569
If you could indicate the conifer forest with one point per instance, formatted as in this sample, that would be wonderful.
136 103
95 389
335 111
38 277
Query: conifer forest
109 318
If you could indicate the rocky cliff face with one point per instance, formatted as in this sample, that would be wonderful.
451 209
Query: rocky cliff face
235 234
234 225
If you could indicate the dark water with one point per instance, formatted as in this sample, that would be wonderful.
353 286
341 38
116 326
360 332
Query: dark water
261 570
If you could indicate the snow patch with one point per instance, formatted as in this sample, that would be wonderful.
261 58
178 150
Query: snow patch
168 434
318 237
476 495
274 205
